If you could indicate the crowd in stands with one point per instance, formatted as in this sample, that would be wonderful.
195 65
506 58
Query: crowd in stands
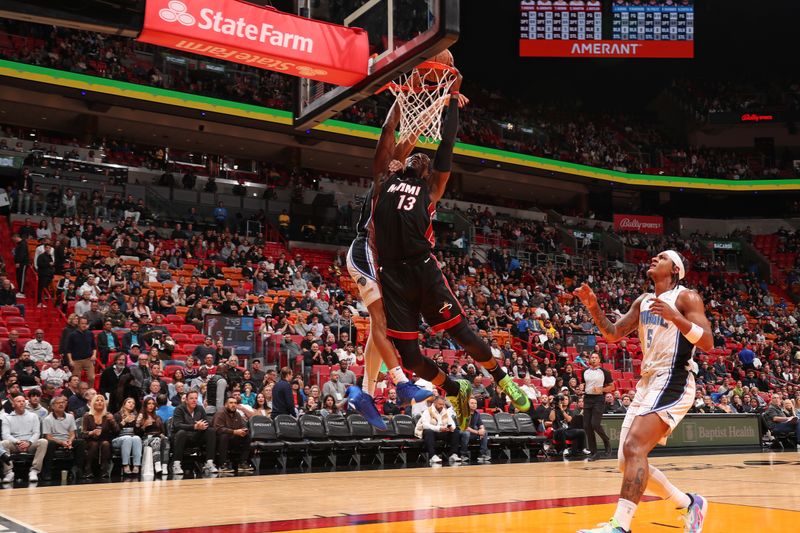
129 291
706 97
618 142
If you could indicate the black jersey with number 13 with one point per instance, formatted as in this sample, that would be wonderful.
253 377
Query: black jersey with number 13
403 219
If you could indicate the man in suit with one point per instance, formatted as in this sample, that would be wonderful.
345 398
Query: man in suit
107 342
134 336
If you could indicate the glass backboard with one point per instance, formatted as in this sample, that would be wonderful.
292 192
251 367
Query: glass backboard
402 34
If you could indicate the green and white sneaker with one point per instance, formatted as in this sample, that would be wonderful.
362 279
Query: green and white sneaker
461 403
612 526
518 398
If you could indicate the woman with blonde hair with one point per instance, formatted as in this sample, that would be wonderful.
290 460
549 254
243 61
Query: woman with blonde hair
128 442
98 428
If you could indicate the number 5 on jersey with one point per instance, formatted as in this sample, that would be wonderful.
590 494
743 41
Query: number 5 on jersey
406 202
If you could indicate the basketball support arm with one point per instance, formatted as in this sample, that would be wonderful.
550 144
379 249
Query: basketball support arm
384 152
443 160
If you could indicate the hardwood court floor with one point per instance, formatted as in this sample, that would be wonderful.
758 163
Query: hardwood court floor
748 492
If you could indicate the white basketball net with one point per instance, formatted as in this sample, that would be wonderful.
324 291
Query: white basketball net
421 94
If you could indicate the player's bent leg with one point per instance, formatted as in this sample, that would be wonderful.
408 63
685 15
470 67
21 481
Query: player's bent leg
458 392
382 349
481 352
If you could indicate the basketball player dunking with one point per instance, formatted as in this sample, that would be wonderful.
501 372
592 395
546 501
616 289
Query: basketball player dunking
362 266
410 277
671 322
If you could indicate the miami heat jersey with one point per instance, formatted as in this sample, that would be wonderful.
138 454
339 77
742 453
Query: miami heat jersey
663 345
403 219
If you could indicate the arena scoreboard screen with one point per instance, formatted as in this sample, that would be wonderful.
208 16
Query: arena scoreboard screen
611 28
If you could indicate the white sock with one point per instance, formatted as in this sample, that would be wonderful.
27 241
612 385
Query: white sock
365 384
659 485
397 375
624 513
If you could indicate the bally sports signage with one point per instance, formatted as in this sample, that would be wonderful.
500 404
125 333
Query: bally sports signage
259 36
639 223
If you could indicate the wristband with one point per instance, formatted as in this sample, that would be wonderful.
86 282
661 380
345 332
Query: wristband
454 93
694 334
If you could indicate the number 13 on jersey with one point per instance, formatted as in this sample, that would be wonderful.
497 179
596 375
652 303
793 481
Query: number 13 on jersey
406 202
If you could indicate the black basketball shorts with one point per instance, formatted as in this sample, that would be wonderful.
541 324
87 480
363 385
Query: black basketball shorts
415 288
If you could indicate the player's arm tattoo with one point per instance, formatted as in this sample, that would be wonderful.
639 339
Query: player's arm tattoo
616 330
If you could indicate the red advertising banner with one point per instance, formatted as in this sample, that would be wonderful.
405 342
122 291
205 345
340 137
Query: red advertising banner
639 223
646 49
259 36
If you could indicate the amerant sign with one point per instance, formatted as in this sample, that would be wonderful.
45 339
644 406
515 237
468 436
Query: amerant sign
259 36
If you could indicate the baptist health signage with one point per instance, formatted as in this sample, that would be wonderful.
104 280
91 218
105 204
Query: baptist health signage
701 431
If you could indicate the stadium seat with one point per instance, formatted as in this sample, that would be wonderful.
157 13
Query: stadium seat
264 442
496 440
338 430
313 431
288 430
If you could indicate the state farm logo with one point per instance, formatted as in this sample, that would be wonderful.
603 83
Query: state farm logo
176 12
236 24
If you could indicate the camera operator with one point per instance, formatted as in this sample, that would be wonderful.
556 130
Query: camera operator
564 431
598 382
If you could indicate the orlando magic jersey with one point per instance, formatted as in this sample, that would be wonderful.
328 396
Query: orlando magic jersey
360 252
663 345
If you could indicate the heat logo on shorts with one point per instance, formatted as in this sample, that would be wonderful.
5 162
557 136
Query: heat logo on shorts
445 310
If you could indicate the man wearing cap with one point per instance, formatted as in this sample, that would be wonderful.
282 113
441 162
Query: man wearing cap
40 349
257 373
83 305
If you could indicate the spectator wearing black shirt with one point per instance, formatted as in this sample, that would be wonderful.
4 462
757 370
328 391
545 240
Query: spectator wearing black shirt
282 398
190 425
390 407
46 272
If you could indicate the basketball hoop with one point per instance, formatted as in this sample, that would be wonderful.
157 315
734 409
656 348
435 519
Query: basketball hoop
421 94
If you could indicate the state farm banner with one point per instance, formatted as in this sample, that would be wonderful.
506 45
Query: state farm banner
639 223
259 36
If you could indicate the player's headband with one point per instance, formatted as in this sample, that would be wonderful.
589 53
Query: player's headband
672 254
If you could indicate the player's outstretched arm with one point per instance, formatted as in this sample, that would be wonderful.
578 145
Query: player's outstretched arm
612 331
443 161
385 150
690 313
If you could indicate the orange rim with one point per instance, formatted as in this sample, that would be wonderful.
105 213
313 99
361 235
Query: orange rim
431 65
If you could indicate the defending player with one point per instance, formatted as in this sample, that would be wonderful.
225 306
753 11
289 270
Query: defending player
410 277
671 322
362 266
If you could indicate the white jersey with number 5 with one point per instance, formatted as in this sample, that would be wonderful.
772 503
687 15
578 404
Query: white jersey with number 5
663 345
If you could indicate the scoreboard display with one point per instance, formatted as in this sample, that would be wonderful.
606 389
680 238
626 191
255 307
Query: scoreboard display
611 28
237 333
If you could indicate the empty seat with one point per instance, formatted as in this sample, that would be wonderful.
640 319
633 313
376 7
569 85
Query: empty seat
264 441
